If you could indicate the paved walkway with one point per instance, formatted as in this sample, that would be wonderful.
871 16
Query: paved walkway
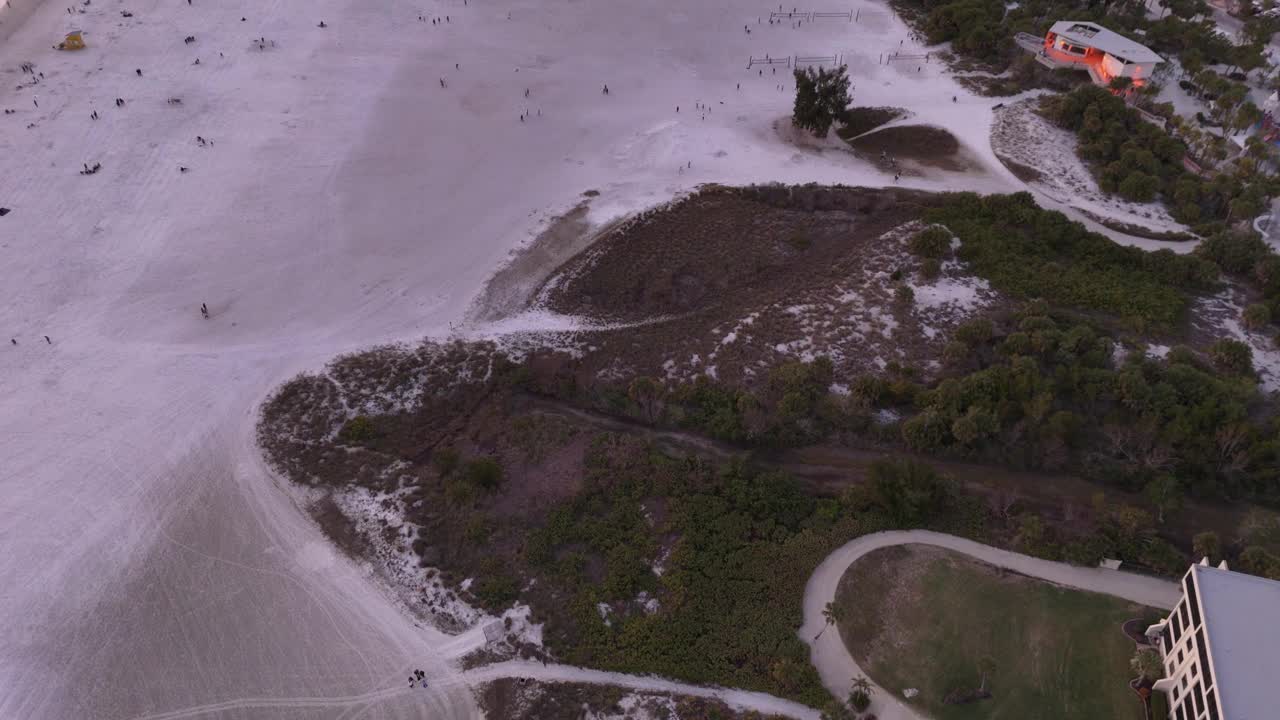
838 668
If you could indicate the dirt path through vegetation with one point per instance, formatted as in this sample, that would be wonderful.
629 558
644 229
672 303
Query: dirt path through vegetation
743 699
830 469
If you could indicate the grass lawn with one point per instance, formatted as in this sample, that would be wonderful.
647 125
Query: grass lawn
921 617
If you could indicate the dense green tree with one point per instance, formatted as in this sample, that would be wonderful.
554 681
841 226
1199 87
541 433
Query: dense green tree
909 491
1207 545
1256 316
1165 494
484 473
822 97
1234 252
646 393
1258 561
932 242
1232 356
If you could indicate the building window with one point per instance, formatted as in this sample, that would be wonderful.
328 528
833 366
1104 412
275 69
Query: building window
1176 625
1193 669
1204 658
1185 707
1191 599
1213 705
1182 714
1198 697
1181 656
1186 623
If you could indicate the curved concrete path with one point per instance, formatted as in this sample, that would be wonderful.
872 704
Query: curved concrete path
838 668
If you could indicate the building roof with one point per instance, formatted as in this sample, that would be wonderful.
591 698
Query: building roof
1094 35
1242 623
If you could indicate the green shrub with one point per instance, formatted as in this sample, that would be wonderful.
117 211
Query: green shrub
1087 551
1232 356
933 242
975 425
1147 663
484 473
1027 251
1138 187
445 460
1234 252
799 241
955 352
1256 316
926 431
975 332
910 492
1163 557
931 268
1258 561
904 295
1181 355
496 592
358 429
1207 545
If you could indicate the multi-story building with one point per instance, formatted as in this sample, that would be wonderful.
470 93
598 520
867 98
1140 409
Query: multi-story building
1220 646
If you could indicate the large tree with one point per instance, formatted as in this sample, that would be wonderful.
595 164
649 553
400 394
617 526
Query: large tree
822 96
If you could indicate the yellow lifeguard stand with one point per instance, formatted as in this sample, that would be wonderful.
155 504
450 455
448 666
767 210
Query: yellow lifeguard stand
73 41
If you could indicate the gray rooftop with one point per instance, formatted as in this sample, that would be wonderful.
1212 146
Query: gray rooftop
1241 615
1093 35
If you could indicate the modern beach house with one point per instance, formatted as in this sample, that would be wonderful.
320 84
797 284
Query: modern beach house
1106 55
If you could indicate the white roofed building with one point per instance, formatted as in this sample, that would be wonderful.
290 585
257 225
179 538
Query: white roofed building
1106 55
1221 647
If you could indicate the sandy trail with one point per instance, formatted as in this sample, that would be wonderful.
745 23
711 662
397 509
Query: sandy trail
739 699
838 668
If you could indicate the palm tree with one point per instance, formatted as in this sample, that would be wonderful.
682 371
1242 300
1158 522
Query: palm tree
860 693
986 666
829 613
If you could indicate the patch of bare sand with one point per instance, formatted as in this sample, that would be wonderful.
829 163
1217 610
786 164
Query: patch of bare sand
1046 158
512 286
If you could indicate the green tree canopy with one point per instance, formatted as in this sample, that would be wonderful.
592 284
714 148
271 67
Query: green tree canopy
822 96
